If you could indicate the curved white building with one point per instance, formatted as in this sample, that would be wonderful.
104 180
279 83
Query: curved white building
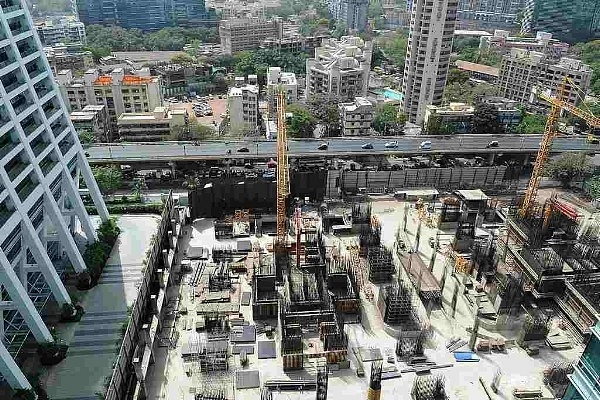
41 213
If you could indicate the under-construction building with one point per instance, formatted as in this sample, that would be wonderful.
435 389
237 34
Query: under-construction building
266 299
343 288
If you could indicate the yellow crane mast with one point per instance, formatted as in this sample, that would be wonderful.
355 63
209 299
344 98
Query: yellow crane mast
558 103
283 175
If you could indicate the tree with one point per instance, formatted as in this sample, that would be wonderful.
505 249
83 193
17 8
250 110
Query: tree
139 185
531 123
183 59
568 167
394 47
456 75
109 178
435 126
594 187
388 119
326 110
302 124
192 131
467 92
341 29
485 120
86 136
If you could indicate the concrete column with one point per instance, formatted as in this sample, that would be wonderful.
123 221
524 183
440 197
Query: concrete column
491 158
88 177
78 206
46 267
22 302
11 371
66 239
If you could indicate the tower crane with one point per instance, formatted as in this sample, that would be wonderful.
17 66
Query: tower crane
283 176
558 104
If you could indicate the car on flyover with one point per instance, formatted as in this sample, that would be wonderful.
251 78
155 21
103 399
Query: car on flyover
367 146
493 143
323 146
243 150
425 145
391 145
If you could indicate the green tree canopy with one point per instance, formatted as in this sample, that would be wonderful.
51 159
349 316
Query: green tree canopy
394 47
109 178
388 119
192 131
183 59
326 110
485 120
568 166
456 75
590 54
531 123
594 187
302 123
467 92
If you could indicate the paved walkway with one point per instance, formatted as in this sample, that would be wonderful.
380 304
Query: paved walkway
96 339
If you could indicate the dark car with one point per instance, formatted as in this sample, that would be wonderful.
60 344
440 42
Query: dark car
243 150
323 146
367 146
493 143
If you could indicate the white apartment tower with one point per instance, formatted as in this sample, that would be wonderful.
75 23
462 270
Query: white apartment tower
41 211
427 55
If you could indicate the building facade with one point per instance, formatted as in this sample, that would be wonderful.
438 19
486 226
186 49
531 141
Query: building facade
68 57
353 13
340 68
147 15
428 55
397 16
242 103
502 42
41 161
523 70
60 30
118 91
357 117
570 21
487 14
93 119
149 127
584 379
276 81
247 33
453 118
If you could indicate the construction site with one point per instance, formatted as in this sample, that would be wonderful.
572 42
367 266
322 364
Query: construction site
454 295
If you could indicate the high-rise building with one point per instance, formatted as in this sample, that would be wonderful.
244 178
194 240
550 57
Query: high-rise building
60 30
353 13
427 55
522 70
357 116
41 211
584 379
340 68
570 21
147 15
489 14
247 33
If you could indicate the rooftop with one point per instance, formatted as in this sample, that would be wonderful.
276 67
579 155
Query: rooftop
479 68
472 195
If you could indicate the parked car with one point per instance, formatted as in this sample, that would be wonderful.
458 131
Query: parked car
367 146
425 145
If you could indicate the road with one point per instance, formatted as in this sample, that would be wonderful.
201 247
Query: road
407 145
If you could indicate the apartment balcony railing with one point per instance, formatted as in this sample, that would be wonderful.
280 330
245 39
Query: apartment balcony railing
46 166
26 50
15 84
18 28
6 147
58 129
21 106
33 72
25 190
10 5
30 128
50 111
65 146
42 91
16 170
38 148
6 62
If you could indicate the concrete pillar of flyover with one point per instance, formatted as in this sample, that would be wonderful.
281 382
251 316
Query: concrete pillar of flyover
491 158
526 160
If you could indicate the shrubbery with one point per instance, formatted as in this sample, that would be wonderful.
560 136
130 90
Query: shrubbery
97 253
132 208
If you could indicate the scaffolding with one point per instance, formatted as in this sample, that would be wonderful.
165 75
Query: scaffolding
381 264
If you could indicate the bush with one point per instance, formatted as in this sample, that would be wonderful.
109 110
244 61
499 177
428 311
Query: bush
71 313
133 208
108 231
97 253
53 352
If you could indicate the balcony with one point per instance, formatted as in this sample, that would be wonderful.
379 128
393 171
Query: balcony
18 27
42 90
6 145
26 50
46 165
58 129
33 71
12 84
30 127
65 145
38 147
14 169
10 5
50 111
25 188
21 105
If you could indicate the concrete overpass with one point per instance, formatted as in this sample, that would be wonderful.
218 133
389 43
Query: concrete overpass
338 147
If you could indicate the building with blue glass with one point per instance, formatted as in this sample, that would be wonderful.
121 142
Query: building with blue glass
157 14
585 380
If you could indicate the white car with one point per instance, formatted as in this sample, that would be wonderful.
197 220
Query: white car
426 145
391 145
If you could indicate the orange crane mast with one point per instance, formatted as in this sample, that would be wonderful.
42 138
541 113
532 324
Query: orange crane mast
558 103
283 176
